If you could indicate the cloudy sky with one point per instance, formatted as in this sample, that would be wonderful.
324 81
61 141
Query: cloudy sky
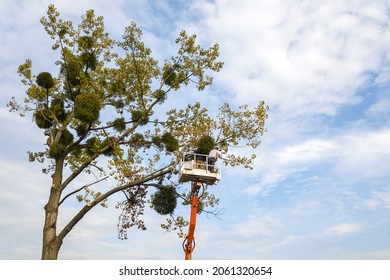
320 187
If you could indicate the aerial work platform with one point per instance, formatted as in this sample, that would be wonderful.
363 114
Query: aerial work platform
198 168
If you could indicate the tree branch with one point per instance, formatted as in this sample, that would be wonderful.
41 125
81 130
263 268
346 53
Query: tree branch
88 207
85 186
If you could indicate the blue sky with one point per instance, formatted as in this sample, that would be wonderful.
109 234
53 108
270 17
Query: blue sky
320 184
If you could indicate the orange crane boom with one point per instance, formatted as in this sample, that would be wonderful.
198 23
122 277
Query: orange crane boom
189 242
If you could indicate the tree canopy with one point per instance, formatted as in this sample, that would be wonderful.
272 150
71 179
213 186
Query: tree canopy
101 113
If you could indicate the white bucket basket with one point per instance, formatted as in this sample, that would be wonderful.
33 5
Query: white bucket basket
197 168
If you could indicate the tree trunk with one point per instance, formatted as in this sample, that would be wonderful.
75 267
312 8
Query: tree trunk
51 244
51 240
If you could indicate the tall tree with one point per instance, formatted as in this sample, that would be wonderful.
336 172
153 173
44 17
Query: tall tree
99 115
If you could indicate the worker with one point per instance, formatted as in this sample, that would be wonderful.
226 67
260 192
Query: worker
213 156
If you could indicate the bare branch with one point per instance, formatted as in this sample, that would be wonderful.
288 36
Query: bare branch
83 187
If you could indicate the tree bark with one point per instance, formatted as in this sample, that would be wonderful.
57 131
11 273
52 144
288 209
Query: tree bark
50 243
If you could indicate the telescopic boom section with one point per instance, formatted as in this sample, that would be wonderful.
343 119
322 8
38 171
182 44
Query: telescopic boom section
189 242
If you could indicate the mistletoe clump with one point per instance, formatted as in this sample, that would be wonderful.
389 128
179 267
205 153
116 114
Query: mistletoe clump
167 141
87 107
45 80
164 201
205 144
43 118
119 124
139 116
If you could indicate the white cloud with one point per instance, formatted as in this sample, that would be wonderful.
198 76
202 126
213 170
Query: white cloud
354 156
342 229
257 225
307 152
293 56
384 75
364 155
380 109
378 200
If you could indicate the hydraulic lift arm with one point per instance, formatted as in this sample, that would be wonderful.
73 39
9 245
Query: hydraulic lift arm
189 242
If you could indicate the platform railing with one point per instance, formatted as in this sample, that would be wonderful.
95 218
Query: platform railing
199 161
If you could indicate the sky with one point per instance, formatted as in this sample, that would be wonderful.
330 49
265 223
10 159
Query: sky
320 186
